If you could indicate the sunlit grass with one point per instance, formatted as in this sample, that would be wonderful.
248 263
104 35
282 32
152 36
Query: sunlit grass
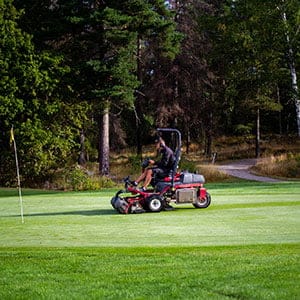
240 213
76 246
240 272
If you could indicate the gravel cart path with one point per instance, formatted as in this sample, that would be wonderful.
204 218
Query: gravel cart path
241 169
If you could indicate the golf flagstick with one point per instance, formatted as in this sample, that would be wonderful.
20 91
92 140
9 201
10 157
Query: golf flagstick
12 139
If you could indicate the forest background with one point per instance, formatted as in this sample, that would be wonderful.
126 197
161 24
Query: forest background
82 79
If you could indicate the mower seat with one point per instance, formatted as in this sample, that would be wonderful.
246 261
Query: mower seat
172 177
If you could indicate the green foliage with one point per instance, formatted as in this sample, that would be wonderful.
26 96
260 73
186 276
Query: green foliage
30 100
242 129
134 161
253 56
79 179
188 165
62 62
254 68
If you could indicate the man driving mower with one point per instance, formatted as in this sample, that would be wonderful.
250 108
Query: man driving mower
157 169
169 185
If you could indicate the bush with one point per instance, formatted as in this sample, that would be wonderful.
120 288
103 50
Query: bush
285 165
242 129
79 179
188 165
134 162
212 174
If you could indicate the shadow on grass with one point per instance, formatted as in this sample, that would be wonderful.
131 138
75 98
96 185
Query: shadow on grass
13 192
177 208
97 212
242 205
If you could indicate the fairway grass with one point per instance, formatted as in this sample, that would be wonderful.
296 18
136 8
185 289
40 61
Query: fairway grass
246 272
75 246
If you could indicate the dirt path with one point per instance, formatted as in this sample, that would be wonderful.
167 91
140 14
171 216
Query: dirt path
241 169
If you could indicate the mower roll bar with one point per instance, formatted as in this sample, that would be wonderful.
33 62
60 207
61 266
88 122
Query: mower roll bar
174 131
177 151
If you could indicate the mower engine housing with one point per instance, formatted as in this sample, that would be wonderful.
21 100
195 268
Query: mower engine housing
186 195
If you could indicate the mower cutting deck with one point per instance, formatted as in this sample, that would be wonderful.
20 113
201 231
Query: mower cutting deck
179 188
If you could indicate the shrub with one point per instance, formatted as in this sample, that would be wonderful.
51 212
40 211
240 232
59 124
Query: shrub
212 174
285 165
134 162
79 179
188 165
242 129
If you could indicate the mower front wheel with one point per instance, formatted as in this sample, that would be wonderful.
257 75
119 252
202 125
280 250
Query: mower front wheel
203 203
154 203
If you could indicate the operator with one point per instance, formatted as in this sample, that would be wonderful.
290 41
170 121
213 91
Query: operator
160 168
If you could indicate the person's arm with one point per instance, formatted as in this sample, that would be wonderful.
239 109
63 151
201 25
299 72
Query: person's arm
151 162
164 162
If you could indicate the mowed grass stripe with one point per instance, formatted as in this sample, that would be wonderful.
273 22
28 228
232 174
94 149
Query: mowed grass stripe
255 205
242 272
87 219
255 188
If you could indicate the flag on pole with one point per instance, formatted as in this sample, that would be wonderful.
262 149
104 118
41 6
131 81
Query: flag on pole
12 140
12 137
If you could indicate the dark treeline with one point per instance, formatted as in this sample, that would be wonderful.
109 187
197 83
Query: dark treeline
81 78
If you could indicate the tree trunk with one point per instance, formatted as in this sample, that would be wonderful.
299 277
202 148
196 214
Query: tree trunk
293 73
188 140
279 114
294 85
138 113
104 143
257 143
208 136
139 148
295 89
82 155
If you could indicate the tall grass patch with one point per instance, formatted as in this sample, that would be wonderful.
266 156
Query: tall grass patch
284 165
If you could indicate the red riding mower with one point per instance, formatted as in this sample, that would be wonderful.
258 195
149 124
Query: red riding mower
179 188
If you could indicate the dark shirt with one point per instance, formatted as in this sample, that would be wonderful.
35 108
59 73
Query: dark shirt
167 159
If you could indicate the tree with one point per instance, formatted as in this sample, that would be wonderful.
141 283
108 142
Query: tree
253 55
290 45
99 43
28 100
185 89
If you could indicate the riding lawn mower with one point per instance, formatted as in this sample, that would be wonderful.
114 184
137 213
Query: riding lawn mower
179 188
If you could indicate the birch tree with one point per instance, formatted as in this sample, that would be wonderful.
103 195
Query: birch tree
291 57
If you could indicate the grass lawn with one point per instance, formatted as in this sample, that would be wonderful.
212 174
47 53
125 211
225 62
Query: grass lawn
75 246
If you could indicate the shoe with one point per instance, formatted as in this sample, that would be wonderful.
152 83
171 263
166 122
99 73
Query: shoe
142 189
134 183
136 208
168 207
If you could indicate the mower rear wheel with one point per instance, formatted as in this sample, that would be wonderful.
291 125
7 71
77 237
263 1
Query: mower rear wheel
203 203
154 203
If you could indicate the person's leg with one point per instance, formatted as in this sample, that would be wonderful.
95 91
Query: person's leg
141 177
148 178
